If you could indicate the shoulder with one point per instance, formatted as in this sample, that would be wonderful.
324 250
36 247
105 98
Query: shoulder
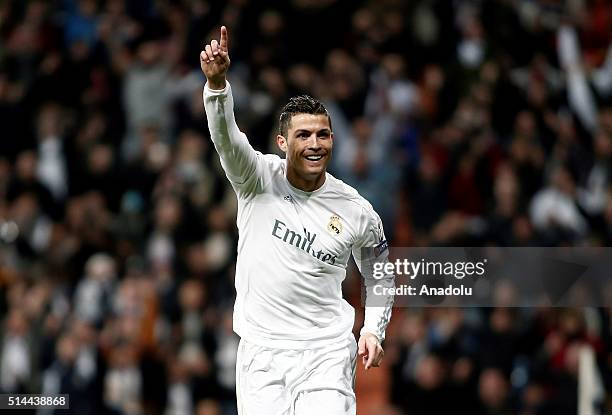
368 223
347 192
274 164
271 159
271 166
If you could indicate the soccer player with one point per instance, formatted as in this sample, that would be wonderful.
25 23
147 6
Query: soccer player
297 228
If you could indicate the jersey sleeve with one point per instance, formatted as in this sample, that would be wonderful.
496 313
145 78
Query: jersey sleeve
241 163
371 252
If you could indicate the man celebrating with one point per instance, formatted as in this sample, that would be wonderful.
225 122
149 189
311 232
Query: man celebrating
297 228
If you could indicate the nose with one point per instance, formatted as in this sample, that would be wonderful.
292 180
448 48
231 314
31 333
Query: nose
313 142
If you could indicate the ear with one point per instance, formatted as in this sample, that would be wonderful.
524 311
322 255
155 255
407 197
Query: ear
282 143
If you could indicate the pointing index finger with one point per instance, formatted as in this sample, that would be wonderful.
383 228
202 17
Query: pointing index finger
223 41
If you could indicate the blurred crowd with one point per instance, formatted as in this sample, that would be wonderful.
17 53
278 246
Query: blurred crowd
465 122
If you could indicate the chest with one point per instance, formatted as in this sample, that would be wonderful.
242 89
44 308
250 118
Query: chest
320 226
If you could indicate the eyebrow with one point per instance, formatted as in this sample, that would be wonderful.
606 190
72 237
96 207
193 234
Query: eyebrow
302 130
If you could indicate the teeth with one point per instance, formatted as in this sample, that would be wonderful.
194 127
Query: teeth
314 158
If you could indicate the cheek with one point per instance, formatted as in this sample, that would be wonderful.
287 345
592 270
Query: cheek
297 157
295 151
327 147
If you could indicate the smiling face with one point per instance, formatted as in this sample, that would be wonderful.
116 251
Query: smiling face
308 146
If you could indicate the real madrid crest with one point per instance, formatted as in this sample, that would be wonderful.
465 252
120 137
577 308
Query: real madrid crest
334 225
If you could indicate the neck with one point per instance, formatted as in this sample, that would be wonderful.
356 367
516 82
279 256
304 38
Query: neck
305 184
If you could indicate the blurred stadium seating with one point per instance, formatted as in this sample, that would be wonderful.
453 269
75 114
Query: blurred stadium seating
465 122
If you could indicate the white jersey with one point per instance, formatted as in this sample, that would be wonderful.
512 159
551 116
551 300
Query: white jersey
293 246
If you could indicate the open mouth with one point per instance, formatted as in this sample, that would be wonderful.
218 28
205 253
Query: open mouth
314 157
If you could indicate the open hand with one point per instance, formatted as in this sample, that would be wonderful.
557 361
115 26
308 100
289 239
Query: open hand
215 61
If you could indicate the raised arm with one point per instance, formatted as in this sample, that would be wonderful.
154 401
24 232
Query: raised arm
238 158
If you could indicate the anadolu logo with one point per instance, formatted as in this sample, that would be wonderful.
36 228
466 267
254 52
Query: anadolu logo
334 225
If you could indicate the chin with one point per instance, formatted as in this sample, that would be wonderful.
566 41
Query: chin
313 172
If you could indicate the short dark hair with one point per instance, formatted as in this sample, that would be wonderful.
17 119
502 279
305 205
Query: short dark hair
301 104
